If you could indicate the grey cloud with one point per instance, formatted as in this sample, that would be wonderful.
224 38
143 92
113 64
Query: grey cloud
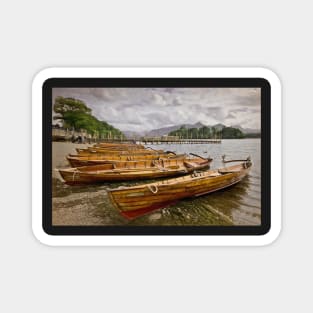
143 109
176 102
230 115
158 118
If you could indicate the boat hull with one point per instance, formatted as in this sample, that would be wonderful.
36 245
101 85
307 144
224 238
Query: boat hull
132 170
78 178
118 152
78 160
135 201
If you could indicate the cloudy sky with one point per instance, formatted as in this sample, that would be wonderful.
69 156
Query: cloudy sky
144 109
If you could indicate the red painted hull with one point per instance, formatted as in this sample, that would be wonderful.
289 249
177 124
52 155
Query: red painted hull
136 213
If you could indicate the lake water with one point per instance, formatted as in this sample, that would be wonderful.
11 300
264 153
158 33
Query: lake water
237 205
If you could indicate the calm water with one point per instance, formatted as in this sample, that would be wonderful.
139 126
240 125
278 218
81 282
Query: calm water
237 205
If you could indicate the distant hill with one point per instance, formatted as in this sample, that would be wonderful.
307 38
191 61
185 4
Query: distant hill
131 134
165 130
218 127
248 132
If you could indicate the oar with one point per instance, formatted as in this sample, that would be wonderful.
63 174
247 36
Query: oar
168 152
199 156
238 160
151 148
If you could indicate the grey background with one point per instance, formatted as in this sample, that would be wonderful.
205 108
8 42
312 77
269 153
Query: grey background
38 34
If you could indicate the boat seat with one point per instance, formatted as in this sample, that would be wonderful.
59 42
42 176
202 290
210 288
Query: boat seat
196 174
221 171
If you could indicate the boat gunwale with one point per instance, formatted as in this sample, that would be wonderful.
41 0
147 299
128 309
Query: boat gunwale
179 180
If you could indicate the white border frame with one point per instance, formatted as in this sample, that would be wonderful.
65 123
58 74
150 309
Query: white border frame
207 240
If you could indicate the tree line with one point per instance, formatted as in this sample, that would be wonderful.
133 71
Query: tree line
207 132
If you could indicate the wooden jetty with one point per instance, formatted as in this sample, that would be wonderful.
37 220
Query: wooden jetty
155 141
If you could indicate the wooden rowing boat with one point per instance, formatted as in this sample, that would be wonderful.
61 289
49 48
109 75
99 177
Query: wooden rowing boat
114 148
117 146
132 170
97 159
92 150
138 200
117 143
114 145
78 160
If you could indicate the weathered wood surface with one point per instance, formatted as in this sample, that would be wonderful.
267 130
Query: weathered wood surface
132 170
141 199
112 144
117 151
73 177
97 159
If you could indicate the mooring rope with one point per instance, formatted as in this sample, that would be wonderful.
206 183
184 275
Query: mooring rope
75 171
156 189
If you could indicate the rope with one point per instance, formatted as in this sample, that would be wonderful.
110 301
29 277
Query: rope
75 171
155 188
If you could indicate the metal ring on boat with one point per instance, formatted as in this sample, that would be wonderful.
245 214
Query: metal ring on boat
156 189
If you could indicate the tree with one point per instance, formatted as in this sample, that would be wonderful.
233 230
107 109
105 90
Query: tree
75 114
63 105
206 132
232 133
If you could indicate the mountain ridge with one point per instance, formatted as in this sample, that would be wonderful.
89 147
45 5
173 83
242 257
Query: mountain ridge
163 131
